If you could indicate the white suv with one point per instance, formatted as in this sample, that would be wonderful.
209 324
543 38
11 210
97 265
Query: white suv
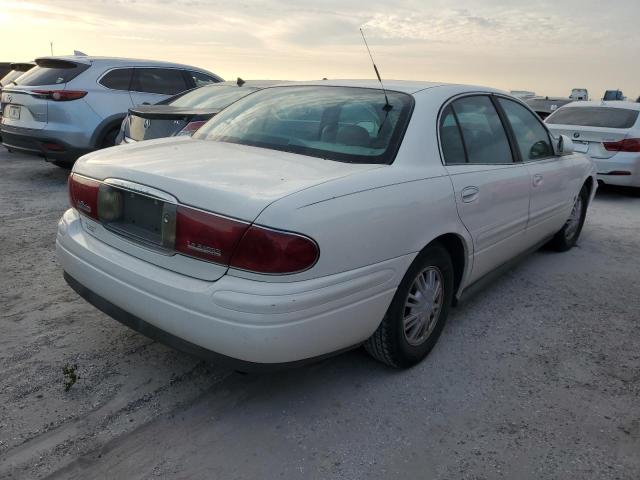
68 106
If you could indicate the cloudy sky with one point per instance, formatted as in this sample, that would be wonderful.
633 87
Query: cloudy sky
548 46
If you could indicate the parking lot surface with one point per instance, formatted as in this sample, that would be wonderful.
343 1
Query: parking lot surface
537 376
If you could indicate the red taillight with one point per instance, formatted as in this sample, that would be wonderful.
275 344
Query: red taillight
83 195
626 145
206 235
264 250
191 128
60 95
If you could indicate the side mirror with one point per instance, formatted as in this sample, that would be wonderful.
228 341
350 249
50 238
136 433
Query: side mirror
564 146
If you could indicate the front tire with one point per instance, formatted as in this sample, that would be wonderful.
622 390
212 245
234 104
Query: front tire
417 314
568 235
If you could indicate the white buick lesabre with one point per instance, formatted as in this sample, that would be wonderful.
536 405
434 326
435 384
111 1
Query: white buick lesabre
307 219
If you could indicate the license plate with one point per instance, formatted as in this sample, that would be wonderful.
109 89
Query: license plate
14 112
581 147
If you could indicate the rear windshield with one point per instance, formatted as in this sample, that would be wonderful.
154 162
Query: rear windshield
52 73
606 117
335 123
9 77
218 96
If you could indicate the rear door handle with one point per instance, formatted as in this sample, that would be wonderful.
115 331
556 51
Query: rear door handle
470 194
537 179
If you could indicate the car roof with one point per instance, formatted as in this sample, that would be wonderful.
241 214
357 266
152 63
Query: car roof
119 61
404 86
605 104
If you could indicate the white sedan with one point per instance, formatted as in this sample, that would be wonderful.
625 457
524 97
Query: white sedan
311 218
609 132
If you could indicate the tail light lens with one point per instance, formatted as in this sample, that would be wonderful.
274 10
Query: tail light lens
83 195
191 128
207 236
231 242
60 95
626 145
264 250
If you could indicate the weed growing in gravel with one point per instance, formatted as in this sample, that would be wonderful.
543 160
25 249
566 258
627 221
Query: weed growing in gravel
70 376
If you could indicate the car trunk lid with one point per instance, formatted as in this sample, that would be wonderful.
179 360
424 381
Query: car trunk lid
235 182
158 121
22 107
591 140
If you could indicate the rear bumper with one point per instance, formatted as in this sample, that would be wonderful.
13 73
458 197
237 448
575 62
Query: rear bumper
232 319
35 142
622 169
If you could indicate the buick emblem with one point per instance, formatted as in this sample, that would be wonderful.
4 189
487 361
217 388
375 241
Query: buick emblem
576 135
147 123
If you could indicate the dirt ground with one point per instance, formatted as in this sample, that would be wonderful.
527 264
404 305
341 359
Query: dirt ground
537 377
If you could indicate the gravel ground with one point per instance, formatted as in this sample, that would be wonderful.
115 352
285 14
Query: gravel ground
536 377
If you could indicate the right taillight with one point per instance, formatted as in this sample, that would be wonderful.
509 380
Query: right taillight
239 245
191 128
206 235
626 145
83 195
264 250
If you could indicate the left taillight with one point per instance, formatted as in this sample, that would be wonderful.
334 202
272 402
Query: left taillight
83 195
191 128
59 95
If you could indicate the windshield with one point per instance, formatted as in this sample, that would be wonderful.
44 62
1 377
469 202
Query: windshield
215 96
336 123
594 117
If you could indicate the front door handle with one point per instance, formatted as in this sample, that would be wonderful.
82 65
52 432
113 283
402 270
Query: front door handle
470 194
537 179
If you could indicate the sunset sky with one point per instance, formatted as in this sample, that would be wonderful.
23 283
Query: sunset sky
545 46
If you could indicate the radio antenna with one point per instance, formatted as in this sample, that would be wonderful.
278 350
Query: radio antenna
387 105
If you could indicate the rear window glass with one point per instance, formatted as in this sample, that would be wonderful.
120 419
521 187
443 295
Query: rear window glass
606 117
211 97
200 79
9 77
118 79
52 73
334 123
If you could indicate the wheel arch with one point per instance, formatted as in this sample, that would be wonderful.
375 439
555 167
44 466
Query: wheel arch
458 250
108 124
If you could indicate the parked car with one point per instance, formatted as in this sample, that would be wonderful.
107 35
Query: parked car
579 94
5 67
307 219
68 106
545 106
609 132
17 69
610 95
184 113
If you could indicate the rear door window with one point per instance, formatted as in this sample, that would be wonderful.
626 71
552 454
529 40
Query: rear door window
52 72
531 136
606 117
450 138
117 79
165 81
200 79
482 131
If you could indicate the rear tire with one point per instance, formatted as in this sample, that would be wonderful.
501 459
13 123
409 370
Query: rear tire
568 235
109 139
417 314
